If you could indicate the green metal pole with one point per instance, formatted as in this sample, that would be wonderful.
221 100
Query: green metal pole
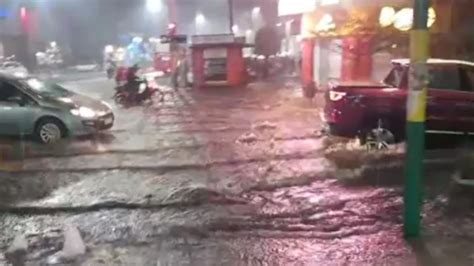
416 116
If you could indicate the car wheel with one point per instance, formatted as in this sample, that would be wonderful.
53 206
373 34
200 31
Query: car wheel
49 131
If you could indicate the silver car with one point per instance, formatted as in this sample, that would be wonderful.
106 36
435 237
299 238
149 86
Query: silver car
47 111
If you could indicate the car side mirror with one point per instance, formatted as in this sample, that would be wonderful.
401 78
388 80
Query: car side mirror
16 99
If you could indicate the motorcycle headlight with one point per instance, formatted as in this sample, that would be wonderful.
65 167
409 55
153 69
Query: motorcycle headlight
142 87
84 112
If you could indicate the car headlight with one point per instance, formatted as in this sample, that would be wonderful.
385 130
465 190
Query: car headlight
84 112
65 100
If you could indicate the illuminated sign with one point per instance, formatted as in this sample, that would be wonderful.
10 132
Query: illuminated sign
294 7
403 19
329 2
212 39
4 13
173 38
325 24
213 53
387 16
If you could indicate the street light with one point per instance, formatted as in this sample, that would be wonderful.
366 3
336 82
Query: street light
256 18
153 6
200 19
256 11
248 36
235 29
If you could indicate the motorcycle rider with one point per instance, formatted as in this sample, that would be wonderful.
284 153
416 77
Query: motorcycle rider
110 67
133 82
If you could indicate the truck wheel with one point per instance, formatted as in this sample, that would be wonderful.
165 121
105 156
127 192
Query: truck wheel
378 137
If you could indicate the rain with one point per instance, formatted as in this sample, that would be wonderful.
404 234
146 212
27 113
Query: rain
233 132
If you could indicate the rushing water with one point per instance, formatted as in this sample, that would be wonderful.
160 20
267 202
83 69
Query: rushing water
220 178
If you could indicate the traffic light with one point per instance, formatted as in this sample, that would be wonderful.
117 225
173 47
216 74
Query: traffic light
28 16
25 19
172 29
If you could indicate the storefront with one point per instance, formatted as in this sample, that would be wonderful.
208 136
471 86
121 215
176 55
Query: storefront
352 40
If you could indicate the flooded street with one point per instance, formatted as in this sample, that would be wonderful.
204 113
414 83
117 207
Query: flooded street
224 177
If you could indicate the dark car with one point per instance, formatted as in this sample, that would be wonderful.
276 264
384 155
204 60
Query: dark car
355 108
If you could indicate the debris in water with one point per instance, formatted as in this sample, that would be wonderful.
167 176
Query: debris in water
16 253
318 133
247 138
265 125
73 248
272 143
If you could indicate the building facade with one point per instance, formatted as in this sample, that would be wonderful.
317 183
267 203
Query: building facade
356 39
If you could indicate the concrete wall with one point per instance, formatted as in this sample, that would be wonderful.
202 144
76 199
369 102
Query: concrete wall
327 61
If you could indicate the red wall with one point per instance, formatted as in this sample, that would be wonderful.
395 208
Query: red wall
198 67
357 58
236 73
307 60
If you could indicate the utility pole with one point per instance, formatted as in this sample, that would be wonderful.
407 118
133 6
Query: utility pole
416 116
231 15
172 12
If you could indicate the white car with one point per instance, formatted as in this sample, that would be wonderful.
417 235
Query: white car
14 68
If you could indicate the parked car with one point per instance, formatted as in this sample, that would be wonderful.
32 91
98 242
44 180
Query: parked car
355 108
49 112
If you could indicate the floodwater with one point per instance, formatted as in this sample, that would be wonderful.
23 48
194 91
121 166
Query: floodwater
225 177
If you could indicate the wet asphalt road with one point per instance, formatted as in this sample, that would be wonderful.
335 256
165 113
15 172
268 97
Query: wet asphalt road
221 177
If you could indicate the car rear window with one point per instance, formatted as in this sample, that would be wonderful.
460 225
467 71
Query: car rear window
395 77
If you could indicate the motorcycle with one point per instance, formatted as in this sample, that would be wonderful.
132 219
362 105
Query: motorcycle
145 93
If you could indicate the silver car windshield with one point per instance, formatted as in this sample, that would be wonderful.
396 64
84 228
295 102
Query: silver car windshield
46 89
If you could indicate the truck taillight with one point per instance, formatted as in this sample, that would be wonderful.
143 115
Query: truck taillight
336 95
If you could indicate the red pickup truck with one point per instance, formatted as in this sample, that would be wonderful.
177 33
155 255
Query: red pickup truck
355 108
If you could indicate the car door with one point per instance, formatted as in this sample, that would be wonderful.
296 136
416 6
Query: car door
445 98
17 110
466 106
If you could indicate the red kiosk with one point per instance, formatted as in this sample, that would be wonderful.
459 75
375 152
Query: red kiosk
217 61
